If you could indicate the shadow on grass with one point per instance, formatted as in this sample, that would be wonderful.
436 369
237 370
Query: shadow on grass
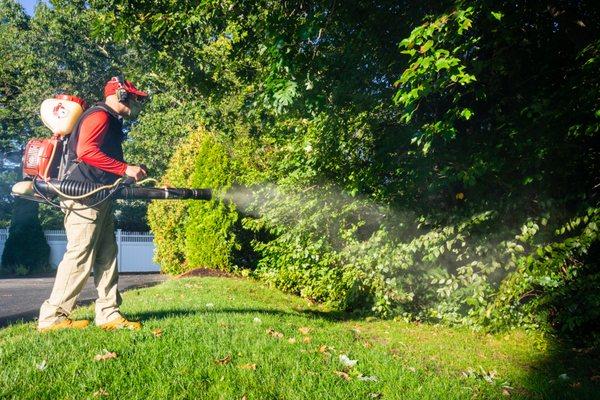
570 368
564 373
188 312
31 314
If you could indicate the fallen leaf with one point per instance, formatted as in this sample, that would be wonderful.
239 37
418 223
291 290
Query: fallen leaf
367 344
324 349
343 375
412 369
42 365
347 362
107 355
304 330
244 397
375 395
365 378
292 340
505 392
274 333
306 339
257 320
223 361
157 332
100 393
248 366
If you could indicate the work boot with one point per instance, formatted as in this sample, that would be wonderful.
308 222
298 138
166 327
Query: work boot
121 323
66 324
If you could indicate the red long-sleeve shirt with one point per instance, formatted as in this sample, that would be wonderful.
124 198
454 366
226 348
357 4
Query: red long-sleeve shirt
91 135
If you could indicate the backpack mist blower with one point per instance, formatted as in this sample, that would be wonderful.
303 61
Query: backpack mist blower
44 166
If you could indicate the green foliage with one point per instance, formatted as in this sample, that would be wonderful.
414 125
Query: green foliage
426 199
26 249
554 284
167 219
196 234
210 229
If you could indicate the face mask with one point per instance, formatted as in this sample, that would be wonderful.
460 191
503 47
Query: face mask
134 109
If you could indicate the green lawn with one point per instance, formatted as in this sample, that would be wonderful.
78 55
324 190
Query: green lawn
224 338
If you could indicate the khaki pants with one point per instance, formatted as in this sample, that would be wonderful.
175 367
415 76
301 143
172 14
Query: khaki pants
91 246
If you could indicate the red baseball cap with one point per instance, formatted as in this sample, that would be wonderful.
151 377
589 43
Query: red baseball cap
114 84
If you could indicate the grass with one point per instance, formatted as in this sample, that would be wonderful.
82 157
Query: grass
215 331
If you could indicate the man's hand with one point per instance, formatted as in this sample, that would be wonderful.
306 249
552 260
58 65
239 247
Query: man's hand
135 172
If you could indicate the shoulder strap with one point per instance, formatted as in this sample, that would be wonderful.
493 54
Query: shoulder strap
69 155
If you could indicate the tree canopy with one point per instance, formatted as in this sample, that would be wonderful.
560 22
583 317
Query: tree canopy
431 160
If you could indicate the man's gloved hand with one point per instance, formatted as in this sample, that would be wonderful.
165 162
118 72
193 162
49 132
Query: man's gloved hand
136 172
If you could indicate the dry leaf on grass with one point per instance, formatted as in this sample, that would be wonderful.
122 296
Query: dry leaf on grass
365 378
375 395
274 333
42 365
367 344
100 393
107 355
343 375
157 332
244 397
304 330
223 361
292 340
347 362
325 349
257 320
505 392
306 339
248 366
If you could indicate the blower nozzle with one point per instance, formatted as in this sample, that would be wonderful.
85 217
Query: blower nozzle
33 190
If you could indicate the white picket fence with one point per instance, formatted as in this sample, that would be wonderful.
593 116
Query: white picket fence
135 249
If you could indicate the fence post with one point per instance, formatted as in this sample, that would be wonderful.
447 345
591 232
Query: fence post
119 252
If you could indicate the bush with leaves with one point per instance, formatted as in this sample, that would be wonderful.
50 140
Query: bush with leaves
200 234
26 249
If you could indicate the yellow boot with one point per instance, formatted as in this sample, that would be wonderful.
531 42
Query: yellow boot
121 323
66 324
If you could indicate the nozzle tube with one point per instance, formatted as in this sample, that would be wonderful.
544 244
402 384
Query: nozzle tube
76 188
164 193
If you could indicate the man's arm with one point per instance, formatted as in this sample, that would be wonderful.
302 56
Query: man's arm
91 134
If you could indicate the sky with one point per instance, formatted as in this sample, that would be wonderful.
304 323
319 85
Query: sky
29 5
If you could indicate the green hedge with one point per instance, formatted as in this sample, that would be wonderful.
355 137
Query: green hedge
198 234
26 249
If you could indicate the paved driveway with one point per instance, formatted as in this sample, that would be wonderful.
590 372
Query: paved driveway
20 298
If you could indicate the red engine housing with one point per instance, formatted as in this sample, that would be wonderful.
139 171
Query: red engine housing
42 157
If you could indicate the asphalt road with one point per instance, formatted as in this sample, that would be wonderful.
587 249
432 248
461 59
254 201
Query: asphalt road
20 298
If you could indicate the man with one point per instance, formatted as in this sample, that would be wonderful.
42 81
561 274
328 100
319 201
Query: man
95 154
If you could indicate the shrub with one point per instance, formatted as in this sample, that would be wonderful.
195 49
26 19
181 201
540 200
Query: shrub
26 245
167 218
208 234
